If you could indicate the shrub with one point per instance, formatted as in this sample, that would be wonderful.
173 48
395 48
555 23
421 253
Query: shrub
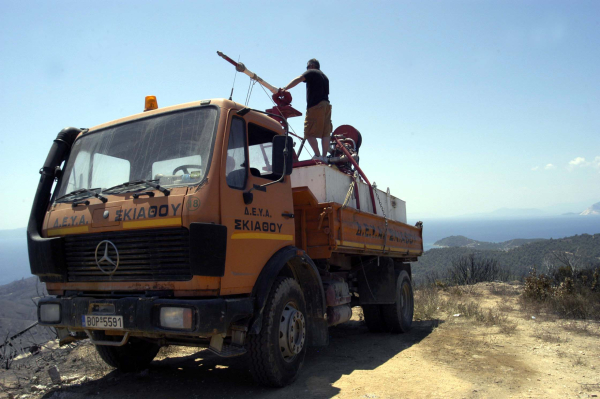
566 292
538 287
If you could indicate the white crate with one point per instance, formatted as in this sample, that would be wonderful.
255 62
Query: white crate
330 185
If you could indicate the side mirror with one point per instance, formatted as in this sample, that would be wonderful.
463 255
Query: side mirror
282 155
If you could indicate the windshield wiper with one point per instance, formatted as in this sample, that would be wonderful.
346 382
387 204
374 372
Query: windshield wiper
163 190
149 183
87 191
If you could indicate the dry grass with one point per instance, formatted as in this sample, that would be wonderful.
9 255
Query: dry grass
581 327
427 303
493 317
549 337
504 290
469 309
505 307
578 361
508 327
455 292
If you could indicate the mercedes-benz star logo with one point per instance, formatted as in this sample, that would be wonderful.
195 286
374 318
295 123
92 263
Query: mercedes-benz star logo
106 258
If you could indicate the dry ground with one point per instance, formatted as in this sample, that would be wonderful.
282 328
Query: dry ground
478 354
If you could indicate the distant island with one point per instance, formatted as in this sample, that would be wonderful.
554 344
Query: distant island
464 242
593 210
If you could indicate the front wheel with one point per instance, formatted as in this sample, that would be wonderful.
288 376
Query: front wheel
276 354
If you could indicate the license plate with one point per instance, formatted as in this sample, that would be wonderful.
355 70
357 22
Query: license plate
102 322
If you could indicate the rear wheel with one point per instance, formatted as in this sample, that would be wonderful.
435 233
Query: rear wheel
398 316
374 318
135 355
276 354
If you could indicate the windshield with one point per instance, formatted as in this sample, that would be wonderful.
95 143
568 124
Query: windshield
171 149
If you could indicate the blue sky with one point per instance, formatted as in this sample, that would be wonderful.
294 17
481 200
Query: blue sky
464 107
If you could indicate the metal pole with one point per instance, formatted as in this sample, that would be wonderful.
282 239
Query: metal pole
240 67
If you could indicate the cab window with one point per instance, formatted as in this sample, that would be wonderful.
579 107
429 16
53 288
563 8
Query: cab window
260 151
235 168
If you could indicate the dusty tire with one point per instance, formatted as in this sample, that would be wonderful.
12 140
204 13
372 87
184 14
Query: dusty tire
135 355
398 317
374 318
274 361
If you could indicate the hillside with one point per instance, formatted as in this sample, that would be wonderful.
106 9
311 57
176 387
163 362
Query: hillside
462 241
17 307
585 248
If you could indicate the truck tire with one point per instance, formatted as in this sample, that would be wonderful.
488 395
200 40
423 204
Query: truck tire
135 355
374 318
398 317
276 354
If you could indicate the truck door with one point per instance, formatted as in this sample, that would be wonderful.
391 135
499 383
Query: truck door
256 230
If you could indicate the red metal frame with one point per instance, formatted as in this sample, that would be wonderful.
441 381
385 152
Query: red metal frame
356 193
362 174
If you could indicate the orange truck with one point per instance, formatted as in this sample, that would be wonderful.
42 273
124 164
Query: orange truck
196 225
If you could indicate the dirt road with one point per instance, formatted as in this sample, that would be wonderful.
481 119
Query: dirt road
446 356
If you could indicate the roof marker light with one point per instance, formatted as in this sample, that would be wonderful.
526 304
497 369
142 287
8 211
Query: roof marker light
151 103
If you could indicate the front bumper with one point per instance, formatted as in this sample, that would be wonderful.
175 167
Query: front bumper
141 315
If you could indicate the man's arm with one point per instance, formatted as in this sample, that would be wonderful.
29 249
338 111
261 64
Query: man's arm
293 83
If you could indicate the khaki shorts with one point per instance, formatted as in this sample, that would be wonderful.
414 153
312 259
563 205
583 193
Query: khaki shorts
317 123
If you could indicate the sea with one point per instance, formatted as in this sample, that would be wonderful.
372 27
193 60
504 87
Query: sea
499 230
14 261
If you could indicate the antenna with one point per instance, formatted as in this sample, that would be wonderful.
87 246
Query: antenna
233 85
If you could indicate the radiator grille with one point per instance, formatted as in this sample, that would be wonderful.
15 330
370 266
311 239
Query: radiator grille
144 255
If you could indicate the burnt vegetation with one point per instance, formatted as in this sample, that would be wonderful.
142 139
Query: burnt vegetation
564 291
470 269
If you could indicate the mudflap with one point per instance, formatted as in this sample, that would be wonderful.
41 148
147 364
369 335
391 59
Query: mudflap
377 282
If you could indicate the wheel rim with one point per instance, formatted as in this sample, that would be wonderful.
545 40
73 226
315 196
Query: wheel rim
292 332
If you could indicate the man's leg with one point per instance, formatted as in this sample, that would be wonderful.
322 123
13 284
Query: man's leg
309 131
327 129
314 145
325 145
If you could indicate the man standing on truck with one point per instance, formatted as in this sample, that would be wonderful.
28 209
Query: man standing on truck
317 124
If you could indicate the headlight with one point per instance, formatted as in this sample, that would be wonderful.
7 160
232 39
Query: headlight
50 313
176 318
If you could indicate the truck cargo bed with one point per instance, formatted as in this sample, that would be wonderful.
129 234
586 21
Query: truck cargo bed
323 228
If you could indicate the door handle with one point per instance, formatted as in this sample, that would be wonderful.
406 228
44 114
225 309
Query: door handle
288 215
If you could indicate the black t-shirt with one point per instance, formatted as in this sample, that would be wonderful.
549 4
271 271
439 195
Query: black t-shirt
317 87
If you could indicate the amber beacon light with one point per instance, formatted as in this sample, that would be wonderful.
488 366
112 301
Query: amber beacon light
150 103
